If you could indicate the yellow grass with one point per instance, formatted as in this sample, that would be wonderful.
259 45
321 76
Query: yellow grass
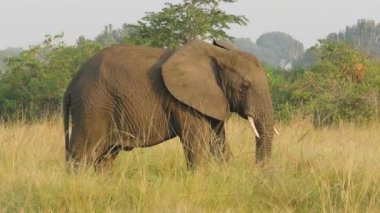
331 170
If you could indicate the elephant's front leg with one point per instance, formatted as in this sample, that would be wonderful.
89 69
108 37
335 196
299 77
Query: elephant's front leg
219 146
196 135
196 140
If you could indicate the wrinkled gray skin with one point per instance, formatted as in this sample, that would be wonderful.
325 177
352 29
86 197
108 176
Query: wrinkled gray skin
135 96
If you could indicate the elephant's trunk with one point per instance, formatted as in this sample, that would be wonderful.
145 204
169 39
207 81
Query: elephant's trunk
264 142
259 112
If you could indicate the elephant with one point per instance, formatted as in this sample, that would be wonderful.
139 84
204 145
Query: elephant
130 96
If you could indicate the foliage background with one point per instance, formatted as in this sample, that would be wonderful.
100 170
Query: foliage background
336 80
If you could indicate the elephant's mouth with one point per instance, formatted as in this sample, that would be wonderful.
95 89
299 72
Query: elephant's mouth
254 129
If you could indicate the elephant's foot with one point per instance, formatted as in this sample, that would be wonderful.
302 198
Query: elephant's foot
104 164
197 159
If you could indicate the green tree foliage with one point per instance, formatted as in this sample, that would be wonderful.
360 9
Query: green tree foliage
331 82
338 87
36 79
178 23
281 84
342 84
7 53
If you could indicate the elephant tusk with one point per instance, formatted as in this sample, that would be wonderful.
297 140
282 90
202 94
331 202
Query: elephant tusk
275 131
253 127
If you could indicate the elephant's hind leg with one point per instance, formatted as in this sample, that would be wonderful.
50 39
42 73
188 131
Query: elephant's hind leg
105 161
90 140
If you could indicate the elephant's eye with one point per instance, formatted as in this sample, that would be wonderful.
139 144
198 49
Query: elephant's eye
244 87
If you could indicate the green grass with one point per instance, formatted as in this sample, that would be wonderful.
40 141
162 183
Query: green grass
330 170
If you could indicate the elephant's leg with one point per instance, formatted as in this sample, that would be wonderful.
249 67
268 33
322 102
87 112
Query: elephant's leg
196 149
76 156
219 146
195 133
105 162
90 140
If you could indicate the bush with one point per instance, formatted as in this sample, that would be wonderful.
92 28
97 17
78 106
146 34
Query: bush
280 82
34 82
338 87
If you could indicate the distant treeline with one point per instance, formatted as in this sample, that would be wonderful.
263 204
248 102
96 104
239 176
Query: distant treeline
336 80
281 50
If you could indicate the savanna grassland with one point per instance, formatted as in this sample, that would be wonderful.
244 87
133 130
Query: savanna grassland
331 169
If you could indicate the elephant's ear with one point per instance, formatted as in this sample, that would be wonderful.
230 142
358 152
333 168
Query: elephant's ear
224 44
190 75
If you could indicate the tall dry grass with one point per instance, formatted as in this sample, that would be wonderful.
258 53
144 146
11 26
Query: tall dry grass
331 170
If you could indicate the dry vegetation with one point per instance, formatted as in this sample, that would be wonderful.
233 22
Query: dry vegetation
333 170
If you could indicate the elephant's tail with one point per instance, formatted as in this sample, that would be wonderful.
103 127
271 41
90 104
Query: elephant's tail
66 122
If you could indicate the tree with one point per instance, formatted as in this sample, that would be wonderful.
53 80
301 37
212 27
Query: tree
111 36
7 53
364 36
337 87
309 59
178 23
35 80
246 44
275 48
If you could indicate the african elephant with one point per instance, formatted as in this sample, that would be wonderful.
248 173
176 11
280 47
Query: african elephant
130 96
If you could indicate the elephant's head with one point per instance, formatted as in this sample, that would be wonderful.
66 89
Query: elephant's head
218 79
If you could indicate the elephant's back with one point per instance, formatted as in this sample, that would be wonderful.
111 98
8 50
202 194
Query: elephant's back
115 66
130 58
130 69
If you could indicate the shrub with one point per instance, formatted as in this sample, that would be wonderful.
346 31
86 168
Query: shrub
35 80
338 87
